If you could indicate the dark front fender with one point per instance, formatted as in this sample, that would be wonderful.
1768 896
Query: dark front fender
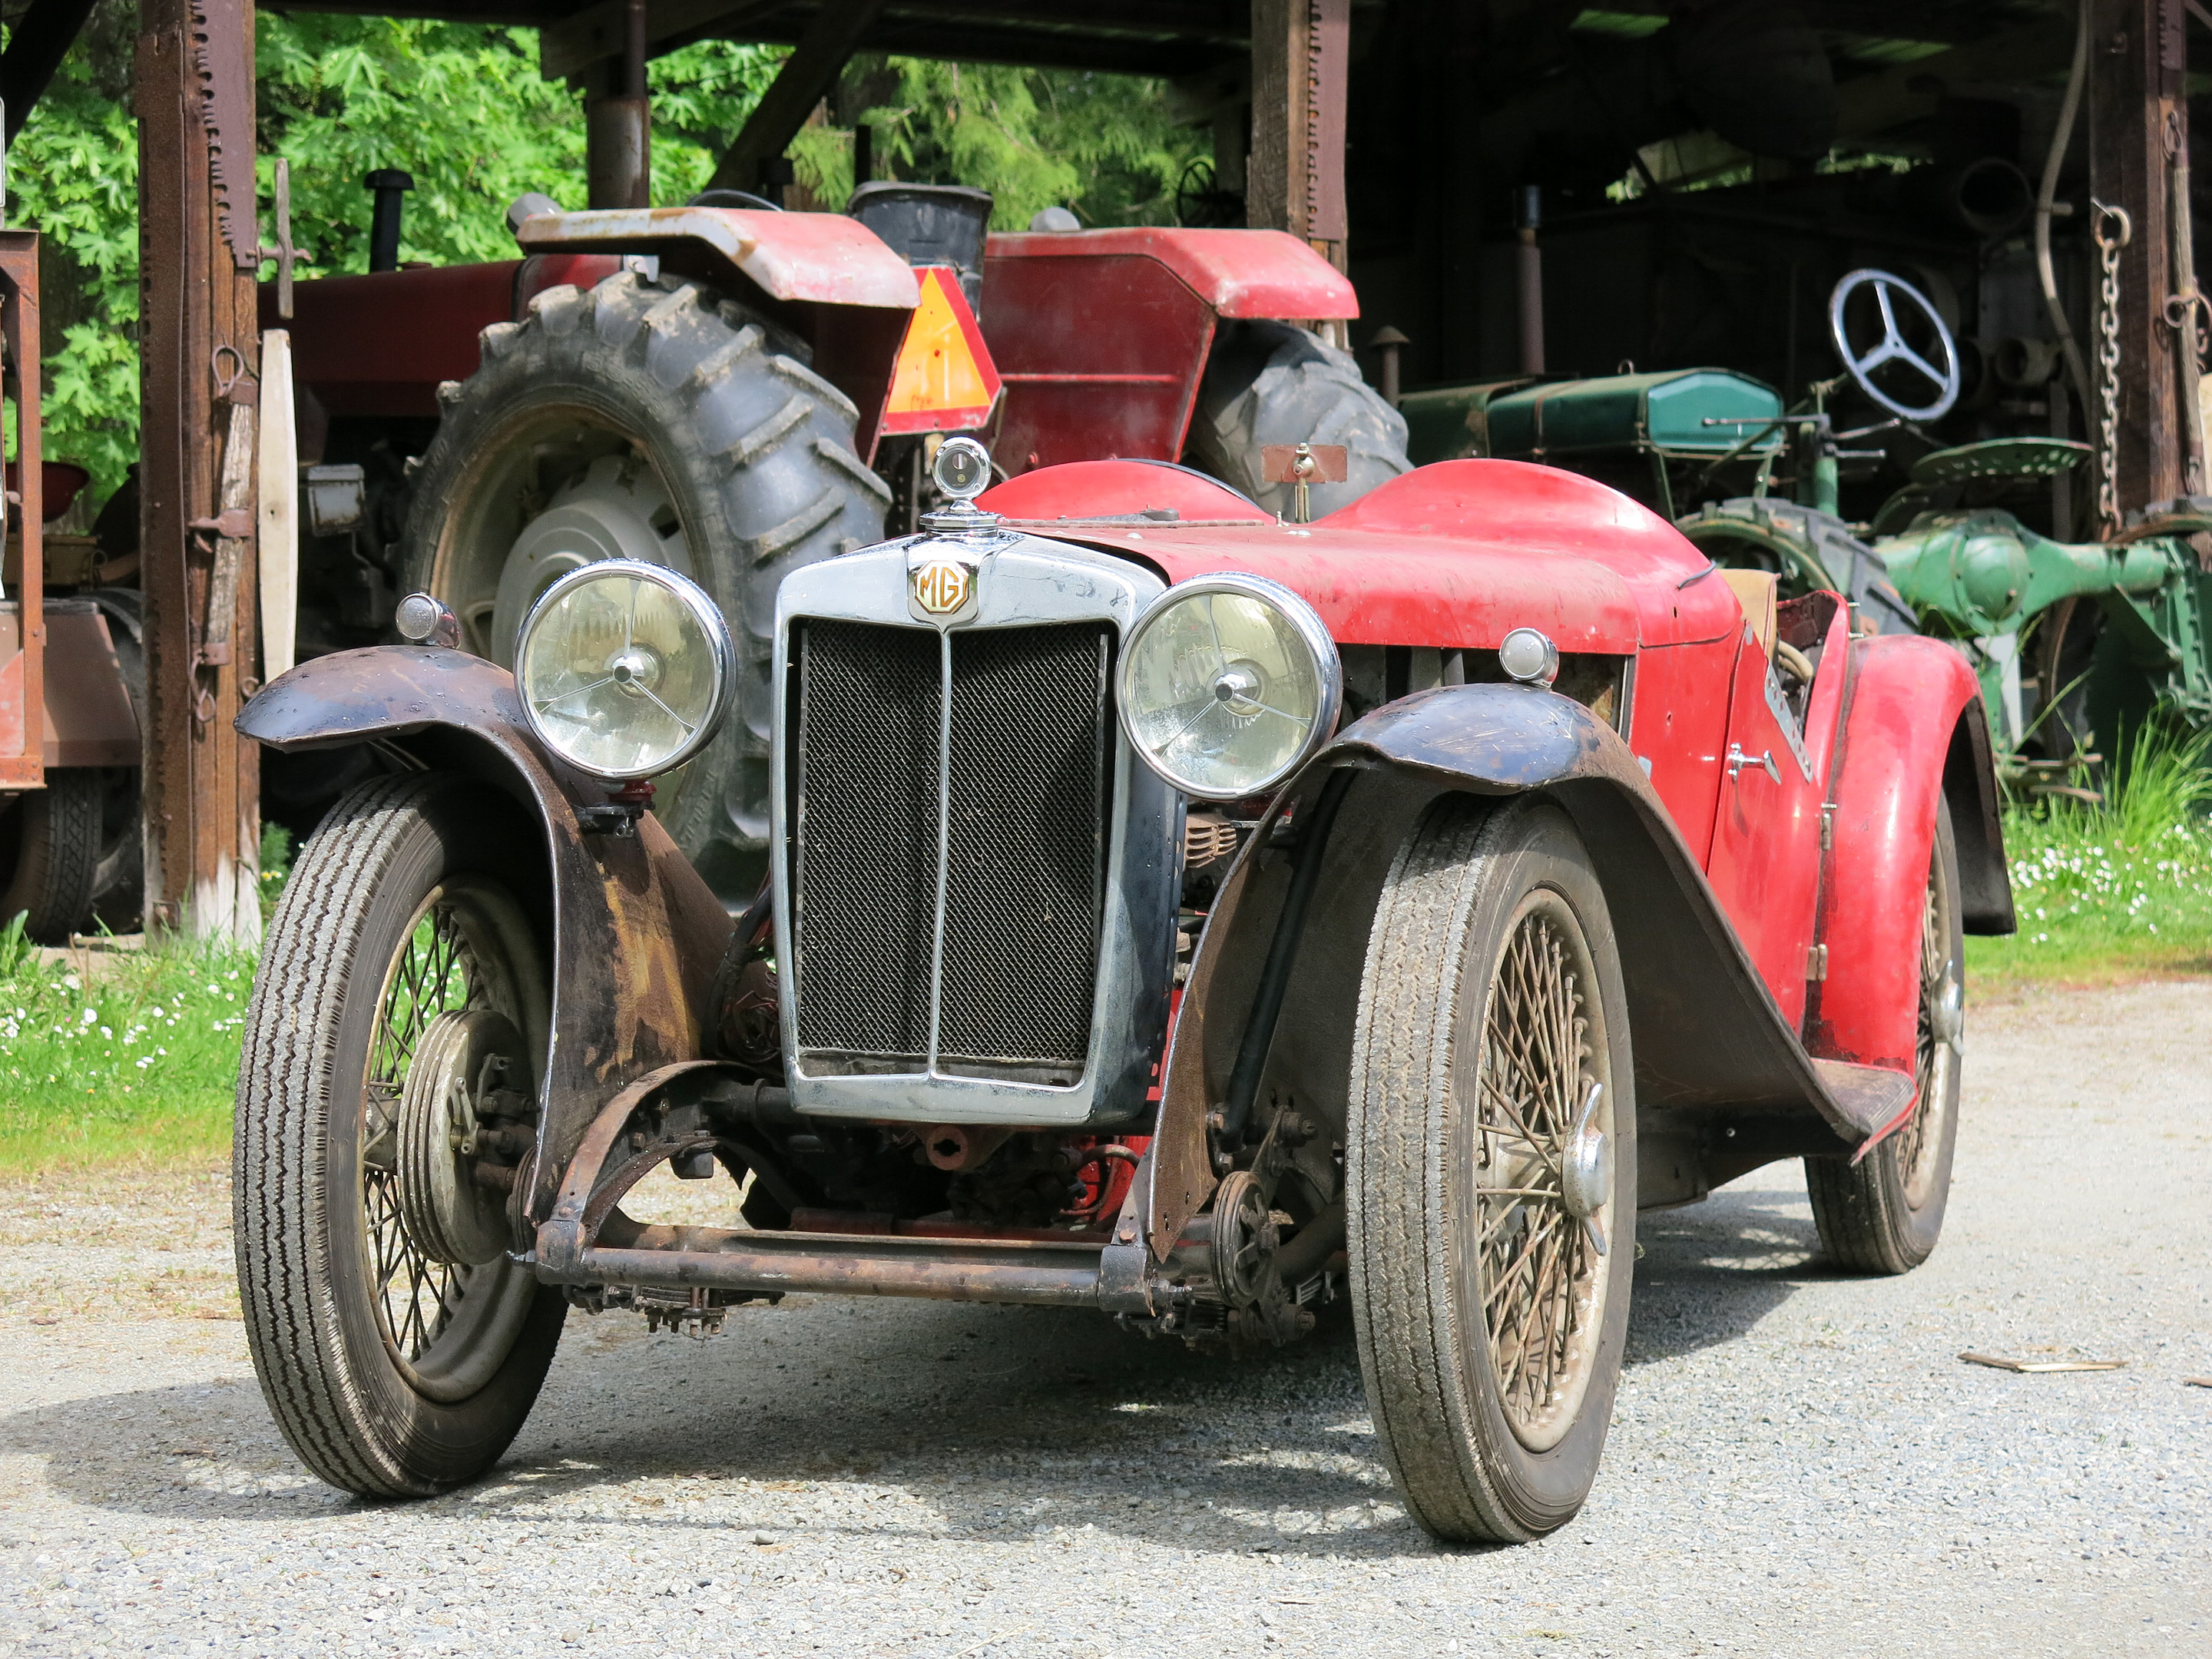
1713 1056
635 933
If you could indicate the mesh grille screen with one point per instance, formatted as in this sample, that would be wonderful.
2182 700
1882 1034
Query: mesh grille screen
1024 889
864 878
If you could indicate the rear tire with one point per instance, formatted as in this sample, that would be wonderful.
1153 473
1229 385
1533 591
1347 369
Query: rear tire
653 420
392 1374
1490 1325
1272 383
1884 1213
50 844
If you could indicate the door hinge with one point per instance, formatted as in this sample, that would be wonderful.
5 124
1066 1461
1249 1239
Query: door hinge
1816 962
1828 826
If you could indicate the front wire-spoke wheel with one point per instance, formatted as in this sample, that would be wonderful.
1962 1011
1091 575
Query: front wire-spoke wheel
1884 1213
397 1361
1492 1171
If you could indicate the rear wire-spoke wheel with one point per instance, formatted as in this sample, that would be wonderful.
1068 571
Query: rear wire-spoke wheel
1884 1213
1492 1170
392 1371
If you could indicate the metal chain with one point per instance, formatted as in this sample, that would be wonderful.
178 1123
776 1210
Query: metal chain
2108 358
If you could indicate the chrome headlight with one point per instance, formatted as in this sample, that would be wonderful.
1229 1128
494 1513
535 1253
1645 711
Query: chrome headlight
1228 682
625 668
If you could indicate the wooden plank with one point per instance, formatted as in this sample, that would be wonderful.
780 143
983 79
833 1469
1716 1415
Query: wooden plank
201 342
806 77
2137 113
1300 52
595 35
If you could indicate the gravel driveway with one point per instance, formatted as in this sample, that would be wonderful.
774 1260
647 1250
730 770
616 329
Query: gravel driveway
1799 1465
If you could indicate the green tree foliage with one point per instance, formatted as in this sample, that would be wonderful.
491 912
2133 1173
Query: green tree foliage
463 109
1105 146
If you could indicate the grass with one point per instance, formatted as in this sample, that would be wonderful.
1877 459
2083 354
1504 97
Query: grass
2114 891
121 1059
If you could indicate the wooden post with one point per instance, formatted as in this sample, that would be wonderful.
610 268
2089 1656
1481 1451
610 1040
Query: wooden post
200 352
1295 181
2139 123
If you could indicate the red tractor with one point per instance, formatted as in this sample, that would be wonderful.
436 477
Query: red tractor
738 392
1173 911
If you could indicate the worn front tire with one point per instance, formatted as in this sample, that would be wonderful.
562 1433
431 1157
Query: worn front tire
1491 1041
391 1375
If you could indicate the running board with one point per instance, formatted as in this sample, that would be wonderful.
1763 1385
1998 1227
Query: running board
1874 1100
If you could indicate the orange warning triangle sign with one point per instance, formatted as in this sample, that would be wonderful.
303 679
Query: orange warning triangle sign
944 379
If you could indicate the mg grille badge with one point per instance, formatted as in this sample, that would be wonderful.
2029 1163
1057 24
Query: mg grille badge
941 588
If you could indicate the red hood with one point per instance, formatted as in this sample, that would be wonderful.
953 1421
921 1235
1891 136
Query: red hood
1454 554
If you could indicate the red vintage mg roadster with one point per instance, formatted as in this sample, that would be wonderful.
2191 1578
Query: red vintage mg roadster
1175 912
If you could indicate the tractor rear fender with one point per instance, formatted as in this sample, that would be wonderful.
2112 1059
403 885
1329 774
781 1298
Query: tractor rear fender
1915 732
635 935
1716 1061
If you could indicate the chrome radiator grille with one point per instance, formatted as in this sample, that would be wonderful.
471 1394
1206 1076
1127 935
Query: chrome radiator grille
977 766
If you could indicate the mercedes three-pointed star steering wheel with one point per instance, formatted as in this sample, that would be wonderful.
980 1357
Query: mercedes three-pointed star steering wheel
1911 361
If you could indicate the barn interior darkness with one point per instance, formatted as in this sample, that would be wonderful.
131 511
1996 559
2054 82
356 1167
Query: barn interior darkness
1704 174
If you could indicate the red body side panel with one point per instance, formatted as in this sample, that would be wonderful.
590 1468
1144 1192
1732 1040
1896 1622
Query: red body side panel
1906 700
1234 273
1678 723
1765 865
1101 356
1075 490
378 344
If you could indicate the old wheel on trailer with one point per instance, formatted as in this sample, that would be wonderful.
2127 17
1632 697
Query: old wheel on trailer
385 1101
1884 1213
50 843
648 420
1492 1171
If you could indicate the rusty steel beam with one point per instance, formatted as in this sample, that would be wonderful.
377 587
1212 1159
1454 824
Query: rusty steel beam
2138 128
199 353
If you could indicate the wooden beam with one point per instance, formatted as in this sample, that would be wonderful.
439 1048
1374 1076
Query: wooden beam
1295 181
2138 119
595 35
41 40
805 78
201 340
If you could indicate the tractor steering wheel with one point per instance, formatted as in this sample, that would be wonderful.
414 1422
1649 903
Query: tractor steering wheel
1908 360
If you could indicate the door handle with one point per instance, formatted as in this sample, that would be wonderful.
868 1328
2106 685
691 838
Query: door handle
1737 760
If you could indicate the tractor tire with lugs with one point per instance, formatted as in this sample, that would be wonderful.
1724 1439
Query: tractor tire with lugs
1272 383
650 419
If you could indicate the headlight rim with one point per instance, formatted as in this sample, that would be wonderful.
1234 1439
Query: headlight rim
696 600
1312 632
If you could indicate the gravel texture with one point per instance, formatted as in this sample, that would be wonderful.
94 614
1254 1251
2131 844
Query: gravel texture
1799 1463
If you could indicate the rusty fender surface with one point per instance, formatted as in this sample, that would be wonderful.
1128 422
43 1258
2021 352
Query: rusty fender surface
1709 1038
636 934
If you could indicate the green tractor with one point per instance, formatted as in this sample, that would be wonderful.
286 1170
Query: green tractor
2072 642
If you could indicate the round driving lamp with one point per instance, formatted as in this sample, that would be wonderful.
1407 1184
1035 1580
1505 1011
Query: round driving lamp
624 668
1228 684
